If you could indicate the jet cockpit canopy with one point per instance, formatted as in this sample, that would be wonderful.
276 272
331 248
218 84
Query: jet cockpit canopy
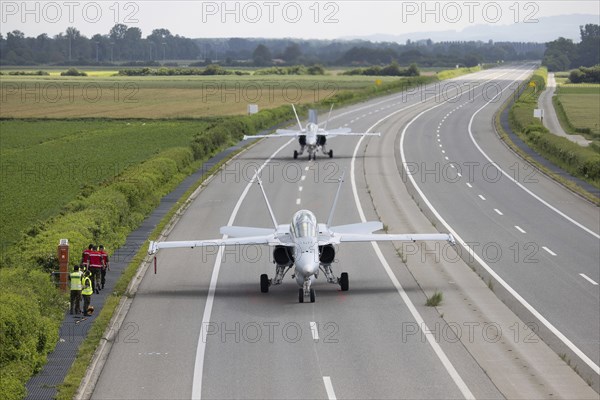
304 224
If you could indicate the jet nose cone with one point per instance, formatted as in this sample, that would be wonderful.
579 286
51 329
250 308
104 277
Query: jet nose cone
307 264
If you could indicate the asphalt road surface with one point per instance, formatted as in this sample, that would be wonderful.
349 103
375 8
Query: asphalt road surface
201 327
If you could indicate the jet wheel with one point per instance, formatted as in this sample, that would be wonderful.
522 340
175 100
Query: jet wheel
312 295
330 153
344 283
295 154
264 283
301 295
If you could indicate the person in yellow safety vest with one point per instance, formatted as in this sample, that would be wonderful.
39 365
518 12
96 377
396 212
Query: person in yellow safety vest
87 291
76 286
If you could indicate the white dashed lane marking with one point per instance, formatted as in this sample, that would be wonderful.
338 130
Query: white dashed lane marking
590 280
520 229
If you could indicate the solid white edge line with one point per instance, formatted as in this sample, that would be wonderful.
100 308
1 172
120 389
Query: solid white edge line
314 330
590 280
499 279
549 251
201 348
329 388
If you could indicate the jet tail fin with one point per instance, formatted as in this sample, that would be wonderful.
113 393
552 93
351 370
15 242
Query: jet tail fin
297 119
335 200
313 116
328 117
266 200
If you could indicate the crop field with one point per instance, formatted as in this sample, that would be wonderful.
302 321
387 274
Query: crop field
102 95
46 164
581 103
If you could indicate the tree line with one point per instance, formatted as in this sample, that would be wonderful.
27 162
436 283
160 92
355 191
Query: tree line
123 44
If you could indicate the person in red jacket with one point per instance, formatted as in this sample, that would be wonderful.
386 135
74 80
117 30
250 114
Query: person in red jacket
96 268
105 265
85 258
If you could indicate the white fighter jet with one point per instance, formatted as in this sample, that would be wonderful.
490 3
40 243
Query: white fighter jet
312 138
305 245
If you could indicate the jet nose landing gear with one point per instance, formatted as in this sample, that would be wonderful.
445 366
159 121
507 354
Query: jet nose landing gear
302 295
306 291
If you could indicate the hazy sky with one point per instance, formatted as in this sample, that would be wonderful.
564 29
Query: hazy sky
296 19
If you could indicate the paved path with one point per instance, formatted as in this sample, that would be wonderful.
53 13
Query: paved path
550 119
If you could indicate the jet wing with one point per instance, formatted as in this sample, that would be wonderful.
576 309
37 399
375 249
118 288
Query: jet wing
347 132
405 237
266 239
279 133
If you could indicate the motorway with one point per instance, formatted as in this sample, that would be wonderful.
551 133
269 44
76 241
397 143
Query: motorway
201 327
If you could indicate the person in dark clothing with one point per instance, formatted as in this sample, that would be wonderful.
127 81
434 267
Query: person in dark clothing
105 265
95 268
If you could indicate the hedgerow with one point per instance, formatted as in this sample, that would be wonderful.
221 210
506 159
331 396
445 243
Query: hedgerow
579 161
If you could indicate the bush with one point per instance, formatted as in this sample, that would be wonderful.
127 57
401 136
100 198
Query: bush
585 75
73 72
389 70
32 73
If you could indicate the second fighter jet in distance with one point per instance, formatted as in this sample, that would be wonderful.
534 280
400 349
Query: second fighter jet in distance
313 138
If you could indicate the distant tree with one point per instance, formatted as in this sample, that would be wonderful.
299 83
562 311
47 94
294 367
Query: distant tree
292 53
589 47
556 62
262 56
472 60
117 32
560 55
413 70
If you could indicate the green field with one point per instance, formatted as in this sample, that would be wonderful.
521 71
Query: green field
102 95
45 164
581 103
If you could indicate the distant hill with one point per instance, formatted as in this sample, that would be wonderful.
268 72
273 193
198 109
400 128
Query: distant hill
546 30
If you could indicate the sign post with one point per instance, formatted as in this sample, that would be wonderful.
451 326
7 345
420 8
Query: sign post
63 263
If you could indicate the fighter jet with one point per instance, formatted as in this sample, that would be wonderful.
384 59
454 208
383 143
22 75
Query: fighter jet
312 138
304 245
